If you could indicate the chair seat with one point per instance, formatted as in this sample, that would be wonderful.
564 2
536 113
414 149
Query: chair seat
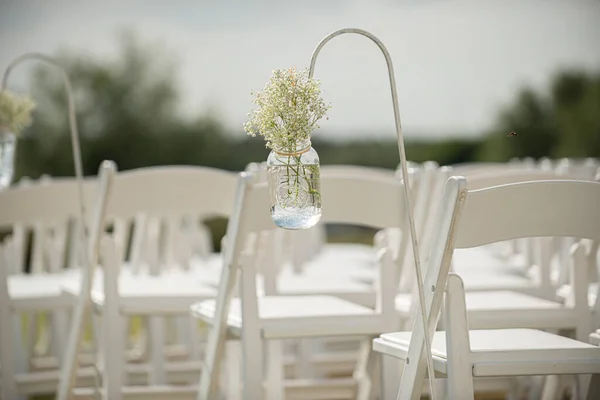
300 316
506 352
310 282
342 260
40 291
207 270
508 300
475 266
343 269
170 292
291 284
507 309
353 251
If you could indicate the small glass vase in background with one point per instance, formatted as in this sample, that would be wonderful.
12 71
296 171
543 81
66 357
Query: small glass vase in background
294 186
8 142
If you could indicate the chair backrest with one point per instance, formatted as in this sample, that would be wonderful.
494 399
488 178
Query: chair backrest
356 170
172 190
377 203
558 208
160 201
532 248
366 201
306 244
49 243
504 177
46 203
580 168
45 208
298 247
467 169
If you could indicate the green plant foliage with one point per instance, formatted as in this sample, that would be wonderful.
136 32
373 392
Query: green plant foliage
563 121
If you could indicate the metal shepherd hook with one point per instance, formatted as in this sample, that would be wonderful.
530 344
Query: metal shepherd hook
70 361
404 167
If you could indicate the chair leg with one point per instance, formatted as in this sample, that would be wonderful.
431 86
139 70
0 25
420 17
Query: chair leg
459 366
522 385
113 355
198 339
536 387
367 371
60 323
113 327
232 378
22 350
583 383
253 373
274 384
304 364
593 391
140 342
184 334
157 349
8 339
554 387
391 372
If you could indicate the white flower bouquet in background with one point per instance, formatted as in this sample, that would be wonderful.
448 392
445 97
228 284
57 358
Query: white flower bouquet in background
15 116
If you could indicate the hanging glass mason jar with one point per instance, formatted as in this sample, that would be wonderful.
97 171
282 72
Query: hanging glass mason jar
294 186
8 143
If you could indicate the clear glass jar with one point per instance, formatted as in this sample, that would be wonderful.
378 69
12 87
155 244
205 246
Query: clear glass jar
8 143
295 186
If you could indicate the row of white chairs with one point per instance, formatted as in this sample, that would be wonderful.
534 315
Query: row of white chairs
558 208
484 305
342 274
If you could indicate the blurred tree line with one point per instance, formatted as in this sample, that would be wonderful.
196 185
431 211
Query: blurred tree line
127 112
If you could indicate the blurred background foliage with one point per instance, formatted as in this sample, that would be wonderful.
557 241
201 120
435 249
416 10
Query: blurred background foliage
128 112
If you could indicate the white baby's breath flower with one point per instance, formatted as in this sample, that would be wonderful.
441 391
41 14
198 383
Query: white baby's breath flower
288 109
15 112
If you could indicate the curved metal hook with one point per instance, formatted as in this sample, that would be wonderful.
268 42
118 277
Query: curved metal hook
404 168
390 66
71 111
70 361
403 162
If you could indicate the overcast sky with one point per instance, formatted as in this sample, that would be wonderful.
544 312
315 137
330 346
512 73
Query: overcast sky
456 62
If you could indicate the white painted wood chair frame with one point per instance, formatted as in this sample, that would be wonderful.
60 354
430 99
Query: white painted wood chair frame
309 350
48 241
543 317
26 205
47 256
250 216
518 212
536 251
161 192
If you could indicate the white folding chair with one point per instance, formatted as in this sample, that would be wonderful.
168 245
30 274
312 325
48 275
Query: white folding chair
44 204
475 218
528 272
154 292
377 203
